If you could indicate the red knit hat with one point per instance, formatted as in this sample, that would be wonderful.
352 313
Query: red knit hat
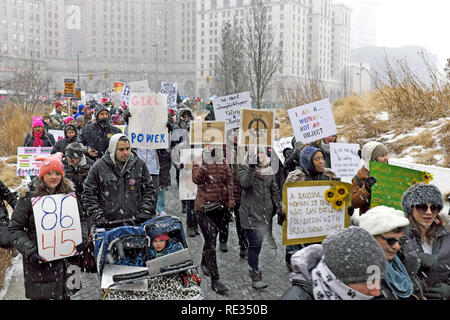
58 103
162 236
50 163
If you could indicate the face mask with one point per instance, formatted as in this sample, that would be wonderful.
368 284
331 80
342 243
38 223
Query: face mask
103 122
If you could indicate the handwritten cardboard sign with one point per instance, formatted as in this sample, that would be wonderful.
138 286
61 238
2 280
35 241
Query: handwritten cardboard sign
171 90
147 127
58 225
57 134
310 217
26 163
345 161
313 121
207 132
228 108
392 182
188 189
69 88
255 127
280 145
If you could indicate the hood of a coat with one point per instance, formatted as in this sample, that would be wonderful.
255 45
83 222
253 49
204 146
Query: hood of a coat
74 128
304 261
111 151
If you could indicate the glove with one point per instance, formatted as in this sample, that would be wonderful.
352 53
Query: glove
36 260
370 181
143 216
428 261
281 217
298 146
181 165
81 247
441 291
100 220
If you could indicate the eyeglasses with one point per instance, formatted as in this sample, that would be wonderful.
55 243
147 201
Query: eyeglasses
392 241
423 208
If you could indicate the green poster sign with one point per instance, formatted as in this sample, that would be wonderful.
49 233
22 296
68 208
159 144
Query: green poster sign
392 182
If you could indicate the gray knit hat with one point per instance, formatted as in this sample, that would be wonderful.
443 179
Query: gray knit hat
350 252
75 150
421 194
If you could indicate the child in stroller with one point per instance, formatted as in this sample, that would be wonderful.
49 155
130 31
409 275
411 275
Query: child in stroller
162 245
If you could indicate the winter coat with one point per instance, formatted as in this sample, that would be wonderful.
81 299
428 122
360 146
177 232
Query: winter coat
119 194
259 196
213 182
171 247
58 116
165 162
47 139
78 174
61 145
360 195
95 136
54 125
303 262
440 249
47 281
8 196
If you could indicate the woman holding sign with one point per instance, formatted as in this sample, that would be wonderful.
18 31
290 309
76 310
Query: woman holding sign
45 279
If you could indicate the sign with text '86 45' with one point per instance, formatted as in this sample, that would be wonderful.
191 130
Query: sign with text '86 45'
58 225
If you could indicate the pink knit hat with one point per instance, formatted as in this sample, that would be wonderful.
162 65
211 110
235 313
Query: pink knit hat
66 120
50 163
37 122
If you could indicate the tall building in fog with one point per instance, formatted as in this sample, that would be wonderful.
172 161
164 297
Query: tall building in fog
364 24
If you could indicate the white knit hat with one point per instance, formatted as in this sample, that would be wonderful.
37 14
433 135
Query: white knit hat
382 219
367 151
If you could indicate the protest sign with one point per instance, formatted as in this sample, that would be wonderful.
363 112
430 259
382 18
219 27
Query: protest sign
57 134
188 189
77 94
280 145
69 88
255 127
139 86
126 94
392 182
313 121
121 127
228 108
116 98
207 132
345 161
147 128
171 90
314 210
118 86
26 163
58 225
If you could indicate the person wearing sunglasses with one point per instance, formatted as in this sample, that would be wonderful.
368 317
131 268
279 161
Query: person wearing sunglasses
388 226
428 238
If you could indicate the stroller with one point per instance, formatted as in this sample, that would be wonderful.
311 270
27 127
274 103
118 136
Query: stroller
127 272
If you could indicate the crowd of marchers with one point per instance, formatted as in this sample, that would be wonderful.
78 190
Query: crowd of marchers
409 249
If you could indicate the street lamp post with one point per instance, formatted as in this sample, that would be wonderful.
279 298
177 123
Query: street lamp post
157 64
78 67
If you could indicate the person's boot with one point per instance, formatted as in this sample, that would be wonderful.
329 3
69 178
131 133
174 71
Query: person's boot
183 207
218 287
190 232
223 247
243 253
257 282
205 270
197 232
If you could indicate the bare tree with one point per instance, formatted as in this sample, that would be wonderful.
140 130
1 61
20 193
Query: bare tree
28 85
229 73
447 69
262 57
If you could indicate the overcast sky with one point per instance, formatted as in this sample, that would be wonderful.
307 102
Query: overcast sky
413 22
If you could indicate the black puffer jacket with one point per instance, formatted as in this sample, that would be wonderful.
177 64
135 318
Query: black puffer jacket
49 280
119 194
8 196
165 162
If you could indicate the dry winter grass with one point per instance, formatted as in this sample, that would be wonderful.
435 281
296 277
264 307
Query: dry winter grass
5 263
15 125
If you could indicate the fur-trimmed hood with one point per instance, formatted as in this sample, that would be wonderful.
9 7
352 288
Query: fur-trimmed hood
299 176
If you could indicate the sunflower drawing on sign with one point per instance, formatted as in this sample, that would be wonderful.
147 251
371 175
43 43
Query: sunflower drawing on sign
337 195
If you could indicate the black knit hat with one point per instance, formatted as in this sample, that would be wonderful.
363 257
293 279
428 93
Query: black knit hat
75 150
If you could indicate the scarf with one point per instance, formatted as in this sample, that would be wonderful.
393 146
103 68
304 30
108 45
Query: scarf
37 139
397 278
264 169
327 287
325 147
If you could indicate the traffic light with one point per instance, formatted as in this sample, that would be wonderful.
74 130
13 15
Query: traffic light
106 73
208 79
90 75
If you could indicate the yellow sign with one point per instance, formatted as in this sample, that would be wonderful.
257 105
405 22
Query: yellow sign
118 86
207 132
255 127
78 94
69 88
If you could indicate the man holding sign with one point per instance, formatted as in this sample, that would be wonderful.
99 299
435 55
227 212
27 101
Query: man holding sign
46 226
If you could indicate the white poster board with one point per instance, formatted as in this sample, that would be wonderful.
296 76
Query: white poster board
26 163
345 161
188 189
228 108
147 126
280 145
139 86
126 94
313 121
58 225
171 90
57 134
